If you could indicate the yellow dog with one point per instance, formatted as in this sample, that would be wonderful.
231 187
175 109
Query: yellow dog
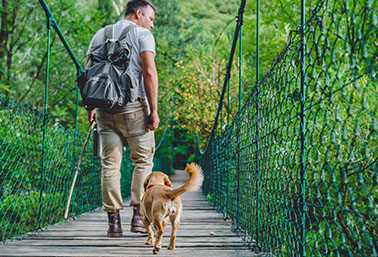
161 202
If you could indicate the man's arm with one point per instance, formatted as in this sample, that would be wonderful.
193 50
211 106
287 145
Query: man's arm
151 87
92 112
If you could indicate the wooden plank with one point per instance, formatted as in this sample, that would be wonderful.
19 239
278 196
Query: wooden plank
182 231
116 251
84 234
104 227
110 241
127 243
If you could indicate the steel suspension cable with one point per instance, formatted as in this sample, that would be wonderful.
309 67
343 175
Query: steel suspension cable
239 24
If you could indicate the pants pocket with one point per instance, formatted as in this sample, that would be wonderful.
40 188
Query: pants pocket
101 121
136 122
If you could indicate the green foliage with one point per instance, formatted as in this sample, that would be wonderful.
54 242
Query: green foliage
184 34
24 54
105 11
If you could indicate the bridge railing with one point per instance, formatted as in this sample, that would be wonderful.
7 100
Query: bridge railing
36 170
37 162
297 169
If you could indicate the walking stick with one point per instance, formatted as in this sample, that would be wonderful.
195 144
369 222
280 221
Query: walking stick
77 170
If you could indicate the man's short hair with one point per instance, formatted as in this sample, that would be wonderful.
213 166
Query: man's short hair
133 5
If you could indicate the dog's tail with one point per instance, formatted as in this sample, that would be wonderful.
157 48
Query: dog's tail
194 182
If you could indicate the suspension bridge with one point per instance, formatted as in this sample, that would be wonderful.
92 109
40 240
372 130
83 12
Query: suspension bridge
295 173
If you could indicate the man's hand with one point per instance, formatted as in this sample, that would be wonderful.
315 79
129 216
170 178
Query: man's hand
92 116
153 121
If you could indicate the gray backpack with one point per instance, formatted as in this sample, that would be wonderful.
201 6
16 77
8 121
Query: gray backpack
108 81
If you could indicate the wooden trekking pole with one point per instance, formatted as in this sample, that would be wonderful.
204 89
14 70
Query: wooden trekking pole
77 170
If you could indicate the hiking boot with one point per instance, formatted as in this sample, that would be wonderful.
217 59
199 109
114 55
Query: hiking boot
114 221
137 225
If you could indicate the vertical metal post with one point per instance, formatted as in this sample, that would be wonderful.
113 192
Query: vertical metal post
42 178
257 225
217 172
228 102
239 108
303 127
75 133
240 65
240 24
225 209
172 130
227 174
221 122
94 185
53 24
238 172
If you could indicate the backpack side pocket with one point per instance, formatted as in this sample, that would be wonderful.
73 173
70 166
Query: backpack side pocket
100 91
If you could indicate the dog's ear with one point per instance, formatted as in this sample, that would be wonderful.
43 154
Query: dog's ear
146 182
167 182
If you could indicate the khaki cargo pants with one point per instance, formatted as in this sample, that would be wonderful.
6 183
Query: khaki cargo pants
115 129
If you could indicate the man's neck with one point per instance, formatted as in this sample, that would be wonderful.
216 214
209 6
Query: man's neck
131 19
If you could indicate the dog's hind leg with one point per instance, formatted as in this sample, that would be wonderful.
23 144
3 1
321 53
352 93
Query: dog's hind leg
159 227
147 225
175 222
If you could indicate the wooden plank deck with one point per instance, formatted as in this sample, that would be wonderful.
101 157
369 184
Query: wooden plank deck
203 232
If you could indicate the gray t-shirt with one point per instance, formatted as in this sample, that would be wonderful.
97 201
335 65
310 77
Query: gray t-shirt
141 39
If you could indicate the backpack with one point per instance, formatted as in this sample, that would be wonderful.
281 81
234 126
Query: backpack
108 81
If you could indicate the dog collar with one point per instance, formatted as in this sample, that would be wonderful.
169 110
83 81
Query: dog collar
149 186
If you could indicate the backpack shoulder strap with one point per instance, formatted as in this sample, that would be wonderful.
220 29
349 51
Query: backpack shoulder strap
108 32
126 31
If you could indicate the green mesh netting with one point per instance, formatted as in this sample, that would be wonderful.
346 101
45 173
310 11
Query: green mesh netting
33 195
325 204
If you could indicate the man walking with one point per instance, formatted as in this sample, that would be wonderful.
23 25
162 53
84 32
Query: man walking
132 124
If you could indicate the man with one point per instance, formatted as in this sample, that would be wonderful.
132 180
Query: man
132 124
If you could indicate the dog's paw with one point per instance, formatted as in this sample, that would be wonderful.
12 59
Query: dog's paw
156 250
149 241
171 247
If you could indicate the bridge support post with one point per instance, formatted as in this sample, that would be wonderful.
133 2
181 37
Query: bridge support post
303 129
42 177
257 225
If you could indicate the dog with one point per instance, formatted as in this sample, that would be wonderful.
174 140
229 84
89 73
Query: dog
160 202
